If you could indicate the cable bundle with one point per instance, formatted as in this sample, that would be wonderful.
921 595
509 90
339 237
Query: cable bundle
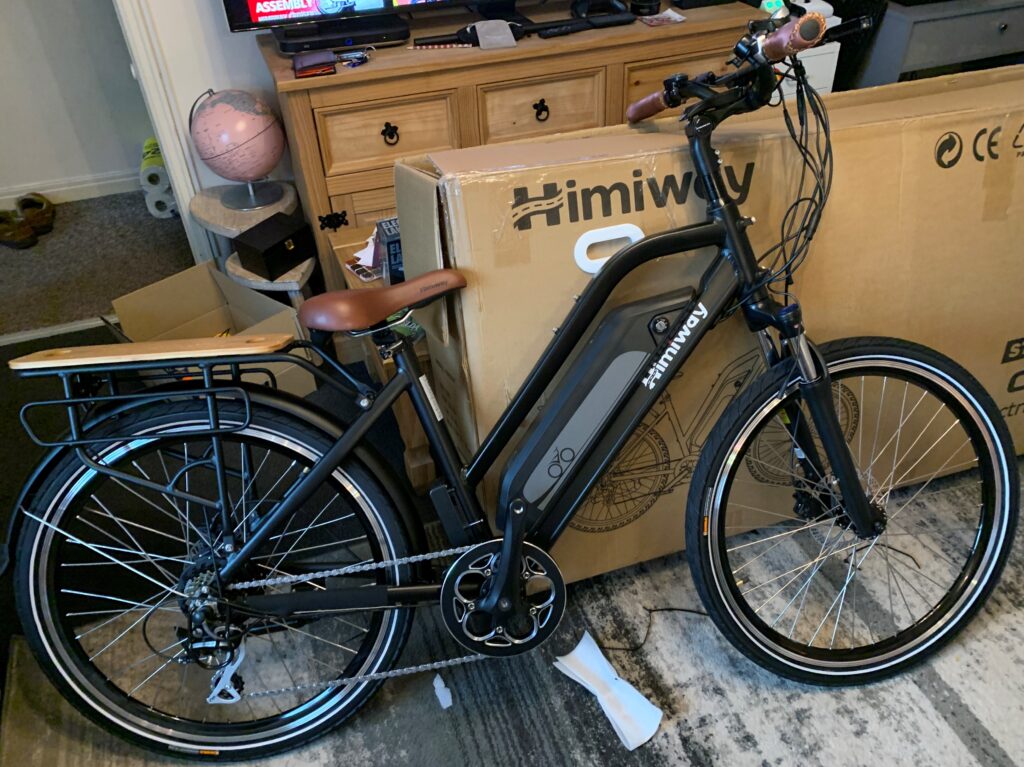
803 217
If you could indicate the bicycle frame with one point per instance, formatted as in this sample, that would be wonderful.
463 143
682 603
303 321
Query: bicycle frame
536 509
592 422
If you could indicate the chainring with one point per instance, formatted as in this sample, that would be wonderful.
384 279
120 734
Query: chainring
467 582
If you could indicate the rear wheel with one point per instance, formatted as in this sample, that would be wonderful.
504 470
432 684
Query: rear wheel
105 567
778 565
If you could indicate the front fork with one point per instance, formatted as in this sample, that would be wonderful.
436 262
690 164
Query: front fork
867 519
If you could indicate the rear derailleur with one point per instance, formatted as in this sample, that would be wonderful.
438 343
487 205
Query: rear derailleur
211 641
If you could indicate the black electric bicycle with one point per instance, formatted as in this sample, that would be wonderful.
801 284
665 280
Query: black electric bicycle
210 567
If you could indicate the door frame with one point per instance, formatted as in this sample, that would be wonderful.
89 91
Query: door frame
171 131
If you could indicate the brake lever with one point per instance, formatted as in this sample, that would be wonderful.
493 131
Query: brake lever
680 88
851 27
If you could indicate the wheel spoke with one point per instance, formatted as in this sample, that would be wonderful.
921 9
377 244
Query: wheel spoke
797 567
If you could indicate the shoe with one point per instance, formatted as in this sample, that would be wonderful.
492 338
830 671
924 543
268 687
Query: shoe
37 211
15 232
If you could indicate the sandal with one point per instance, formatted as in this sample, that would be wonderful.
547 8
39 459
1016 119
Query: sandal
15 231
37 211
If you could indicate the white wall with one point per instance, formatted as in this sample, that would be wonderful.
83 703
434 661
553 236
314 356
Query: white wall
72 119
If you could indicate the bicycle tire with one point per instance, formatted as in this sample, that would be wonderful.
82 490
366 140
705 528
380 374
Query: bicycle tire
726 595
82 687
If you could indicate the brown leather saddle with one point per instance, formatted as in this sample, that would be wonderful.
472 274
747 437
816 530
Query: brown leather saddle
349 310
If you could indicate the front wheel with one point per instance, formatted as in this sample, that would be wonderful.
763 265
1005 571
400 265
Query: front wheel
778 565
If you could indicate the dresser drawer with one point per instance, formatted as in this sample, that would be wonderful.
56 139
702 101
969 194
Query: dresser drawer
644 78
538 106
374 136
367 207
967 37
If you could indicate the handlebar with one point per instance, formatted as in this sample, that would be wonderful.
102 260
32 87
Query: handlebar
646 107
795 36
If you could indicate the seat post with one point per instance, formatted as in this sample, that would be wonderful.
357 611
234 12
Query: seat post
323 340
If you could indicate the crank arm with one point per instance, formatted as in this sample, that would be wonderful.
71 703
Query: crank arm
297 603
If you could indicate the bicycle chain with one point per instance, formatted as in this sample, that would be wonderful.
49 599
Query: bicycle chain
380 675
285 580
360 568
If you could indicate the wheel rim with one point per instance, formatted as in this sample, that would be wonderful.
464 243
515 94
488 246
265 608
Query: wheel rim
771 608
71 651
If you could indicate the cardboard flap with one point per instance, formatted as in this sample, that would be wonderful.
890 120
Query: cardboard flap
216 322
421 238
511 157
245 302
156 310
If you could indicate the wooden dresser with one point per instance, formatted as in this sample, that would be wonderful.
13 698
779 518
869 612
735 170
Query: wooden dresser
346 130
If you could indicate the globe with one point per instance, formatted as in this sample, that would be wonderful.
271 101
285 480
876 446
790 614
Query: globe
238 137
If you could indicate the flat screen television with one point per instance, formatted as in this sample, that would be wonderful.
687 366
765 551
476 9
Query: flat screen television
260 14
301 25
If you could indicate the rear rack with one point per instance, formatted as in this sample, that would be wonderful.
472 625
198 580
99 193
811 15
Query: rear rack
92 391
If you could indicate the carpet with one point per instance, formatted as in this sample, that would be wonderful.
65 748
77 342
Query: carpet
99 249
963 707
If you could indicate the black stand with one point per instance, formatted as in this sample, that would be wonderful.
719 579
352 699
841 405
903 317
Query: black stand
356 32
504 10
582 9
588 14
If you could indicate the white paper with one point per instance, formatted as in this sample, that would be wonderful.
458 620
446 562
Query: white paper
444 695
634 718
494 33
365 255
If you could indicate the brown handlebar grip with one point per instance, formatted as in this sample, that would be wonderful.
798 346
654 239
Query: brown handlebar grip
798 35
646 107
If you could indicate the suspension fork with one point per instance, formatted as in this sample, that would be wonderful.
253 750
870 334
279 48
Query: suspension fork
793 420
867 519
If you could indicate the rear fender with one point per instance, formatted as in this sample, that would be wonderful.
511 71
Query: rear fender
396 486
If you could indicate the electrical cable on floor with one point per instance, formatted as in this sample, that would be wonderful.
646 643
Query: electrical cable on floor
650 620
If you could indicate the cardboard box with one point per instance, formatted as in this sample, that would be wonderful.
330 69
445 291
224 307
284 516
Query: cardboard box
921 240
201 302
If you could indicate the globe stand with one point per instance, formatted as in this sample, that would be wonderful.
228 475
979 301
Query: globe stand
252 196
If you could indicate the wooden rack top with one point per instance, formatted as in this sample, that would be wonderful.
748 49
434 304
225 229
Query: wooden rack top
146 351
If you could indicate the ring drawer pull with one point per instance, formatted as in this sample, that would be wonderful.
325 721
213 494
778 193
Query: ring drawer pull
390 134
541 111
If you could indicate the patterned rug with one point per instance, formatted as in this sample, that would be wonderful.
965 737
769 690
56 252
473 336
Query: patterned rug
963 707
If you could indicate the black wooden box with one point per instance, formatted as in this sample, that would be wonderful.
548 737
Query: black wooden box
275 246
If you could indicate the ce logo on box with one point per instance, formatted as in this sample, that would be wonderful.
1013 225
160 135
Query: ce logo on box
984 146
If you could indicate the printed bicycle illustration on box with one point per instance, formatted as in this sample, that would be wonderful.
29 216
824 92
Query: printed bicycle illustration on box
662 453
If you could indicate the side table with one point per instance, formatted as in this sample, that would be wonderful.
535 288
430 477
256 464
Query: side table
207 208
292 282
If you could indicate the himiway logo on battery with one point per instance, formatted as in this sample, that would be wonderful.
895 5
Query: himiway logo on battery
570 202
658 368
